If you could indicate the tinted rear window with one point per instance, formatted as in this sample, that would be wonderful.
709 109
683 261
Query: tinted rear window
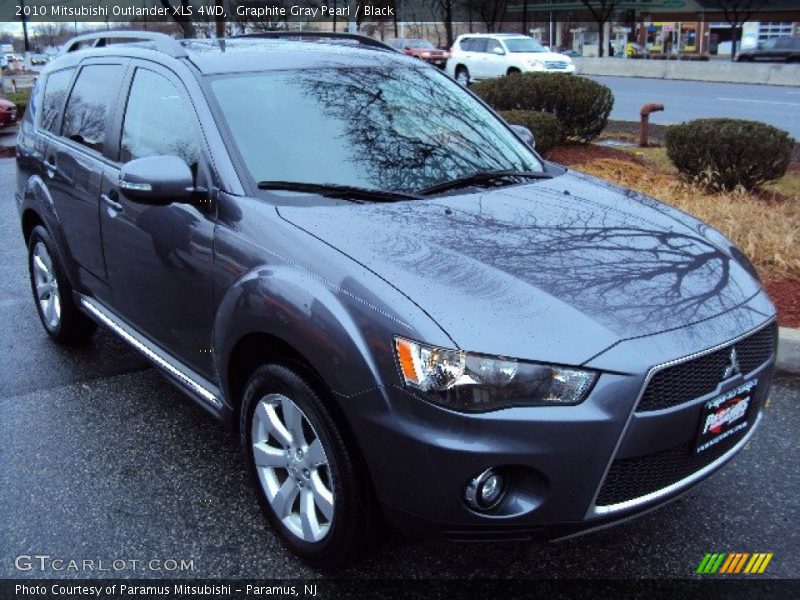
56 88
92 99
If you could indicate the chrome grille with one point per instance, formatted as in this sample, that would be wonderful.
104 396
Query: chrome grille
700 376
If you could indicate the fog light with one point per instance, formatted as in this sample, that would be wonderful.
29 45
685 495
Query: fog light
486 490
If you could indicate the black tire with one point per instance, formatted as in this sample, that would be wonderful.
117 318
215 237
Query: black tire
461 70
73 327
352 527
514 71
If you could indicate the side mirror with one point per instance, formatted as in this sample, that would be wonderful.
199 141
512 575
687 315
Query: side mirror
499 51
524 134
156 180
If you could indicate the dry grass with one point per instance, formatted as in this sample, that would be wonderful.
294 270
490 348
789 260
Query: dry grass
768 231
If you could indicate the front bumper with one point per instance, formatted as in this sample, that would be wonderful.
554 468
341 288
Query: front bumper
570 68
557 459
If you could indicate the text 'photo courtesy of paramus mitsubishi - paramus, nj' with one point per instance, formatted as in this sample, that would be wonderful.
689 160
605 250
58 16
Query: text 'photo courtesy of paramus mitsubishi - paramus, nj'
406 312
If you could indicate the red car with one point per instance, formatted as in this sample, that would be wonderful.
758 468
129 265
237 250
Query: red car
421 49
8 113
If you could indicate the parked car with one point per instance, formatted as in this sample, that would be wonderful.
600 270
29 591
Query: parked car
481 56
422 49
8 113
39 59
777 49
404 311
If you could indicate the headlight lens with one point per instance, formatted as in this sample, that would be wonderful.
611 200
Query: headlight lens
478 383
536 63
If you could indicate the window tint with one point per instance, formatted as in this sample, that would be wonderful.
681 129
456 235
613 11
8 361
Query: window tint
55 96
478 45
157 121
493 45
90 102
384 127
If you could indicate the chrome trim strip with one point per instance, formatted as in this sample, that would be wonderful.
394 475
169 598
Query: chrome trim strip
678 485
650 374
153 353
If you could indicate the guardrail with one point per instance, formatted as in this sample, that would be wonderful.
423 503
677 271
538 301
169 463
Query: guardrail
714 71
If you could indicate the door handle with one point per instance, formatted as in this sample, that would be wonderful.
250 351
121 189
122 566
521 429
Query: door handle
51 168
110 202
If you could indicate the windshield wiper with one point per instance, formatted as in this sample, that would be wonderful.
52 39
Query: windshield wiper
484 177
334 190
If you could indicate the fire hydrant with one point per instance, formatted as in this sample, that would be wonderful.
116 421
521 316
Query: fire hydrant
644 125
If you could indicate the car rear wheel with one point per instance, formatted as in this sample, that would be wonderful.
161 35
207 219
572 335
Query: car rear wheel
62 319
311 484
462 75
514 71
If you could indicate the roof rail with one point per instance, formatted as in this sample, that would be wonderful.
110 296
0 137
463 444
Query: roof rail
162 41
320 35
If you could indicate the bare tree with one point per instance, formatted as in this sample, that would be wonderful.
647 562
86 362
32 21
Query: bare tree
445 10
183 16
491 12
736 13
601 12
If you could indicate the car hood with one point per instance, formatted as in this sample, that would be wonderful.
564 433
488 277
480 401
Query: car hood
6 104
554 270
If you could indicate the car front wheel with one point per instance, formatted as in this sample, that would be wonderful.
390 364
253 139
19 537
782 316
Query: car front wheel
462 75
311 483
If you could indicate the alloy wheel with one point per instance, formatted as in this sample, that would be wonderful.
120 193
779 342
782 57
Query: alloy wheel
46 286
462 77
292 467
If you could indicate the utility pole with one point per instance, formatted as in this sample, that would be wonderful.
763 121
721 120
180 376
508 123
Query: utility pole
25 29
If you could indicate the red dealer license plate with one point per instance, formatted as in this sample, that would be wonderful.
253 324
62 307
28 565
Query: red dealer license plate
724 416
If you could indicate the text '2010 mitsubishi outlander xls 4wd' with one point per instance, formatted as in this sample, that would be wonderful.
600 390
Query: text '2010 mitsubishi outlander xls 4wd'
404 310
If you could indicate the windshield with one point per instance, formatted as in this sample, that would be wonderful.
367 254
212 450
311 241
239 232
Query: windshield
421 44
523 45
385 128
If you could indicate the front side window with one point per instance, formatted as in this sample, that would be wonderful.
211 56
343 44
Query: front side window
494 47
522 44
157 121
55 96
92 99
389 128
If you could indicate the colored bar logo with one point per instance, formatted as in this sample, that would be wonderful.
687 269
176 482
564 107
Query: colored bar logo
734 562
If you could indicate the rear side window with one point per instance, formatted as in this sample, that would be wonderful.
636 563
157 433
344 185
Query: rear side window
92 99
56 88
157 121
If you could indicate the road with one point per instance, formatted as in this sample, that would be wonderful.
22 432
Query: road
102 459
686 100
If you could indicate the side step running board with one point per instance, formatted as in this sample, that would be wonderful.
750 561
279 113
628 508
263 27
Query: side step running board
183 375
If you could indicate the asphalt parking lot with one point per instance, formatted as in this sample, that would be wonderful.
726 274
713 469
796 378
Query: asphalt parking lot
102 459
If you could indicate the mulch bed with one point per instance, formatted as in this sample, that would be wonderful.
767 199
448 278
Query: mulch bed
785 294
580 154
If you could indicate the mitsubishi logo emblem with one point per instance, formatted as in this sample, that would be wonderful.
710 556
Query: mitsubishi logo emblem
733 368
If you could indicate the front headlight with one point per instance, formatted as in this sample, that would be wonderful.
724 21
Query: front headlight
477 383
536 64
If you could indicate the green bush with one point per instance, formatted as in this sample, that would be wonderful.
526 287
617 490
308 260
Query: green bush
21 99
581 105
726 153
545 127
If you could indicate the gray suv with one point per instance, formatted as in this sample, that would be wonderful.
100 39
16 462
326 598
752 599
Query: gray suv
407 314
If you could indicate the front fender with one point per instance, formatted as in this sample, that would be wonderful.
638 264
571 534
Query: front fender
345 337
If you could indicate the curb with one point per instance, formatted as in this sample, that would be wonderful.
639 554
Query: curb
788 350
